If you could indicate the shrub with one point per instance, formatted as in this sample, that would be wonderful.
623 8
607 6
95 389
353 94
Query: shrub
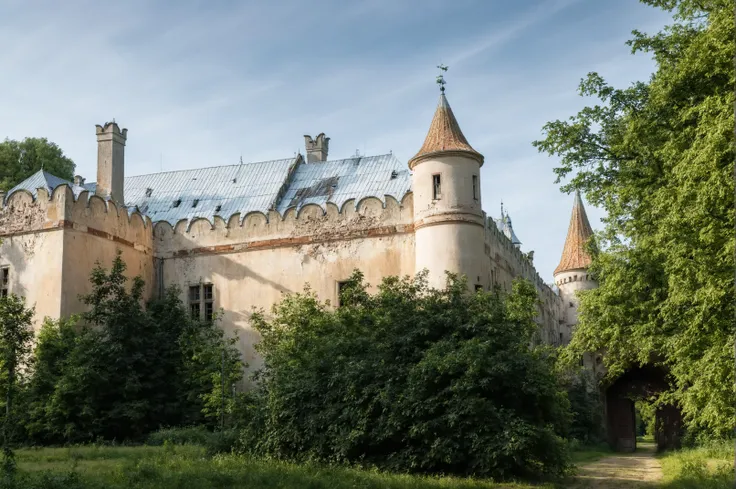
409 379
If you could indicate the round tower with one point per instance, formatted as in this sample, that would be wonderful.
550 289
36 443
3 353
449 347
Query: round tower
449 224
571 275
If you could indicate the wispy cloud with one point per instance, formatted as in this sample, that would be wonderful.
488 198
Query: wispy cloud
199 83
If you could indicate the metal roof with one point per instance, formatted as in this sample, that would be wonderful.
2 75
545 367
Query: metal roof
341 180
226 190
45 180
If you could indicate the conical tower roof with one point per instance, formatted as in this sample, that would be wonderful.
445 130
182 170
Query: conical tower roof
574 256
444 136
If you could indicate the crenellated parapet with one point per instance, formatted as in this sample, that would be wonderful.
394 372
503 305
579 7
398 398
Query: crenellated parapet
21 213
370 217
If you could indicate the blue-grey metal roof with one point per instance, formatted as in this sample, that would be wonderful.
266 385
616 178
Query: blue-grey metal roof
341 180
45 180
504 225
226 190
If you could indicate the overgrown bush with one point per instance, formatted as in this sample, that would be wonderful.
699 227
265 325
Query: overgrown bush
410 379
218 441
122 370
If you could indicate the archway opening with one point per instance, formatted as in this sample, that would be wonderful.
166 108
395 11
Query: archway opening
640 385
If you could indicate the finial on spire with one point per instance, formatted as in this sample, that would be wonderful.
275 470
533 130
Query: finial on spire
502 209
440 78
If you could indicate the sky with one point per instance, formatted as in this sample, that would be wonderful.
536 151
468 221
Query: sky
202 83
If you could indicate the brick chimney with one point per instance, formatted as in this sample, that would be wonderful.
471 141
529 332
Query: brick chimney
111 162
316 148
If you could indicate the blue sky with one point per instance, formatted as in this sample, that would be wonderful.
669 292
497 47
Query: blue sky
200 83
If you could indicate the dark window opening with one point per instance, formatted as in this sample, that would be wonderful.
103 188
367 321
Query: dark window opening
478 287
475 187
436 187
560 338
4 281
177 202
209 304
196 201
217 209
582 361
194 310
572 305
194 301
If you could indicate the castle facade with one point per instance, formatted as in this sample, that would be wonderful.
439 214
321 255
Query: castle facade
237 237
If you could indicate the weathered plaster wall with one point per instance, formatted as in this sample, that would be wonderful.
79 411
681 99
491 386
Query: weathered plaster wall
252 262
508 262
51 244
96 230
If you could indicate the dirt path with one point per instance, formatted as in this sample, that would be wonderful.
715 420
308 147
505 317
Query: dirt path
622 471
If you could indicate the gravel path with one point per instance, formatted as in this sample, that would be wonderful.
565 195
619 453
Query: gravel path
622 471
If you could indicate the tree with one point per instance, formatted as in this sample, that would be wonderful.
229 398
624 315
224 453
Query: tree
122 370
16 334
21 159
658 157
409 379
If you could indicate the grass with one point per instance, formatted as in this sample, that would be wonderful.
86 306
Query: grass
188 466
589 453
707 467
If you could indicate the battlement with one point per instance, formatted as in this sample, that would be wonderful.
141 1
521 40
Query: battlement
21 213
309 224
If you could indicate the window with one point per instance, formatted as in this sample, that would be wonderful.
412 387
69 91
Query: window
475 187
196 201
560 338
436 187
478 287
582 361
340 288
4 281
195 304
209 302
177 202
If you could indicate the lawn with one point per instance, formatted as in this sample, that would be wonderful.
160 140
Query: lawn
707 467
189 467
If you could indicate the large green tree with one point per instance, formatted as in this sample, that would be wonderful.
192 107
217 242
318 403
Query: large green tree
410 379
658 156
21 159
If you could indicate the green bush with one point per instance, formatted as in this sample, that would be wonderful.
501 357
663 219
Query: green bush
126 370
212 441
409 379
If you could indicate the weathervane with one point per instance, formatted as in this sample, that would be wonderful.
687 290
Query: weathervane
440 78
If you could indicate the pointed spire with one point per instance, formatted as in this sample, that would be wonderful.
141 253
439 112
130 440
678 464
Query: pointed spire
444 136
574 256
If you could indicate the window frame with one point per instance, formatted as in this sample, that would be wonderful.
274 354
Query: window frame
339 285
195 303
209 302
436 186
4 281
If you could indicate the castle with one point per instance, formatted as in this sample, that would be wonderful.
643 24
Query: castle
239 236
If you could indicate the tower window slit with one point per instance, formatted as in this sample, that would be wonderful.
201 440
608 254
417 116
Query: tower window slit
436 187
475 187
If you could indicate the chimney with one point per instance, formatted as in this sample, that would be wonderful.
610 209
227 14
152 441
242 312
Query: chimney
111 162
316 148
78 180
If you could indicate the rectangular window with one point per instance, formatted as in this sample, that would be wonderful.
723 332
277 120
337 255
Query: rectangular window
475 187
478 287
195 305
209 302
436 187
340 287
4 281
560 338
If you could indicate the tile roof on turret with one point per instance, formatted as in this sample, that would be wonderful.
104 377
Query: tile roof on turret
574 255
444 136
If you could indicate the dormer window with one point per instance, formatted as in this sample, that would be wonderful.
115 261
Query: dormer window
149 192
196 201
177 202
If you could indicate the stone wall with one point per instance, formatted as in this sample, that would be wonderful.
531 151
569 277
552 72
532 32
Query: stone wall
252 260
51 243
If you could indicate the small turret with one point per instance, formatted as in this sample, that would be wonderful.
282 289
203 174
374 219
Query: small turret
571 275
111 161
449 224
